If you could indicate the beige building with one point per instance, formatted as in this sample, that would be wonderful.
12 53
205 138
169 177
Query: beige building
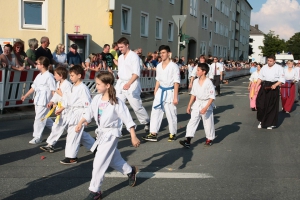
218 28
92 23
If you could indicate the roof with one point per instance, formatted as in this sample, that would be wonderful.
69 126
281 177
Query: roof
255 31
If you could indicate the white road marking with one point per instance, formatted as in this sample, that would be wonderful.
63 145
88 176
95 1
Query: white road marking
161 175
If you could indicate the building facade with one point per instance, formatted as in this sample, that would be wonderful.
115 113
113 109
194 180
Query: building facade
257 38
218 28
91 24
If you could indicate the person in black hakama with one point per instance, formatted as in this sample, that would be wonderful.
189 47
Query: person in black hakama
270 78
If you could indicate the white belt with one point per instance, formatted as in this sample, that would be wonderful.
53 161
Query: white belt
102 136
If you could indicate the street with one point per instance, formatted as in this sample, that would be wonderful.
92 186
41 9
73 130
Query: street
244 162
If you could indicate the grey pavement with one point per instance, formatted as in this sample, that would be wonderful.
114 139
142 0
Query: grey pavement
244 162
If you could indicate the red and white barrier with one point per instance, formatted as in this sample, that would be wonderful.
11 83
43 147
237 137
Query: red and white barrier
236 72
2 85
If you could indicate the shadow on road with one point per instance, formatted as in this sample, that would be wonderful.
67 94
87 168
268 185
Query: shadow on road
226 130
221 109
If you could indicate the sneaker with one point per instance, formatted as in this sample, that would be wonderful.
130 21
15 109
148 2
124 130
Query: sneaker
47 148
132 176
69 161
208 143
185 144
146 128
172 137
150 137
259 125
35 141
271 127
287 112
94 196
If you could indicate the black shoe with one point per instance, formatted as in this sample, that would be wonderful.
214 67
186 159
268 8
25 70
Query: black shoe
132 176
150 137
172 137
208 143
49 149
94 196
69 161
185 144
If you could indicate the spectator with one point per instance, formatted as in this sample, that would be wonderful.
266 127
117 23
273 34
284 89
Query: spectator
114 52
33 45
183 60
108 58
91 63
100 62
21 57
60 56
148 63
138 51
44 51
9 59
253 67
154 59
73 57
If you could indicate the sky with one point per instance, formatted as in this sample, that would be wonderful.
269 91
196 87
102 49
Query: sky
281 16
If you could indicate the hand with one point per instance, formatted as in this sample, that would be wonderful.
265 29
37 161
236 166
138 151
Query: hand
273 87
188 110
175 101
59 111
58 91
50 104
135 141
78 128
21 68
23 97
203 111
190 85
126 86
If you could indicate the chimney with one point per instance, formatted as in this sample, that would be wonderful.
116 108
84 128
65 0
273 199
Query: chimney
256 26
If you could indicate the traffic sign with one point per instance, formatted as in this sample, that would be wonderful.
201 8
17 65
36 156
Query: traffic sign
179 19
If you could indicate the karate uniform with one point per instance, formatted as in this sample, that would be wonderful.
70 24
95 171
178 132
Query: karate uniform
59 127
163 100
76 102
107 117
252 96
203 94
43 86
267 101
126 68
288 91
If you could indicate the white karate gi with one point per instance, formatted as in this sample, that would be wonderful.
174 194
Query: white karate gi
76 102
43 86
126 68
203 94
108 133
166 78
272 74
58 128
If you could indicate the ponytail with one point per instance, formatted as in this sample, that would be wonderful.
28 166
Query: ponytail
112 95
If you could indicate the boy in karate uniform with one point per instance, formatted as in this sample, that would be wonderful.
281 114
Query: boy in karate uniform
166 95
204 92
76 102
63 86
128 85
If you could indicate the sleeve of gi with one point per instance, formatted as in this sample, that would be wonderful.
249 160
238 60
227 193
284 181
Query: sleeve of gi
55 97
86 98
210 90
135 65
89 114
51 83
124 115
176 75
193 90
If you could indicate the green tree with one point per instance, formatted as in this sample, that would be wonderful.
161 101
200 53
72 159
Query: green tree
272 44
293 45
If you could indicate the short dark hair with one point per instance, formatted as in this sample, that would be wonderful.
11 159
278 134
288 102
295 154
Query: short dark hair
164 47
272 57
9 46
204 67
106 45
123 40
62 71
77 69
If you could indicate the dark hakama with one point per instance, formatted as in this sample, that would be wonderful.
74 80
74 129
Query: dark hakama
267 103
288 95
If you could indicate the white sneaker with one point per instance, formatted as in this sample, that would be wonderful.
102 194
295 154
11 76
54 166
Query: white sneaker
35 141
146 128
259 125
271 127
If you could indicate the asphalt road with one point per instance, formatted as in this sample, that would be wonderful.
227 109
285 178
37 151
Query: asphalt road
243 163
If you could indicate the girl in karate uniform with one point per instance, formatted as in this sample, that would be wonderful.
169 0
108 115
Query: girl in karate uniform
108 110
202 97
44 88
253 79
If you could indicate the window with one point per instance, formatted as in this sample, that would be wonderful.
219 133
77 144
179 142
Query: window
158 28
203 48
204 21
218 4
126 19
170 31
172 1
193 7
144 24
210 38
33 14
216 27
211 11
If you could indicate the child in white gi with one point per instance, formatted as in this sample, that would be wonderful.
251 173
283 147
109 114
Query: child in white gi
128 85
63 86
43 87
75 101
204 92
107 110
166 96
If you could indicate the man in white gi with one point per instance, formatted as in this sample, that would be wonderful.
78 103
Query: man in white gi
216 71
166 96
128 85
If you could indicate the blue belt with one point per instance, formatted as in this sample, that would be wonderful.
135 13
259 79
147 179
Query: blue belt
163 90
